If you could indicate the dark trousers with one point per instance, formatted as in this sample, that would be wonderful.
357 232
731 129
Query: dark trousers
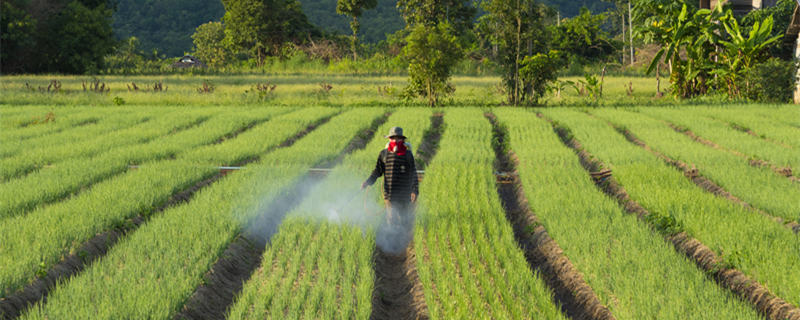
397 229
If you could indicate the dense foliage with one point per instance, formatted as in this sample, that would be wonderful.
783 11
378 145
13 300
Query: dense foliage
164 26
55 36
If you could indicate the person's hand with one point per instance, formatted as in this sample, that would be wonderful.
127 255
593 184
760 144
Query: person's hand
413 198
364 185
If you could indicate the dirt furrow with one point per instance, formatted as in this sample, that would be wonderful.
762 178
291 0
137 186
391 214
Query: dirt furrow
764 301
226 278
698 179
576 297
95 248
784 171
398 292
749 131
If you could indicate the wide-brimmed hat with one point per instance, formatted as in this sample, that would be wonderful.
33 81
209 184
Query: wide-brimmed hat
395 132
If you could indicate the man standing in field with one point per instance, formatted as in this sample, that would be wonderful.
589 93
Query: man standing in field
400 190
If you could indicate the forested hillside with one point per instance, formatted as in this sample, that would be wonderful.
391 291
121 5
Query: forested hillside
167 25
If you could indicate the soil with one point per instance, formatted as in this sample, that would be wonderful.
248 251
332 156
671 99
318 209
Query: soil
243 256
765 302
398 293
577 299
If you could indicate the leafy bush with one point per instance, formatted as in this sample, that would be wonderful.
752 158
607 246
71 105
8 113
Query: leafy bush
771 81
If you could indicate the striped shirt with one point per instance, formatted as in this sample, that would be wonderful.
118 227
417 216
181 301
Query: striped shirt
400 175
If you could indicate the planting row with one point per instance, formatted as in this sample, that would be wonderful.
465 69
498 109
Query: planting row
759 186
51 154
52 183
151 273
468 260
319 264
746 240
619 256
39 239
723 134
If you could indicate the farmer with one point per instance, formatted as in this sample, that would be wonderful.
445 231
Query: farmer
400 190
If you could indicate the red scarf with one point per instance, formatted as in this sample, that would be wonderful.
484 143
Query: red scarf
399 149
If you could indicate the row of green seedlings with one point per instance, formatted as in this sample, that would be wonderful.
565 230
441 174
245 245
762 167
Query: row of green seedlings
618 255
736 140
758 186
18 138
140 132
153 271
467 258
44 235
745 240
760 120
319 264
74 174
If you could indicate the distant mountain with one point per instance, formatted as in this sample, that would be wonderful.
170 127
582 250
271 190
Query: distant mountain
167 25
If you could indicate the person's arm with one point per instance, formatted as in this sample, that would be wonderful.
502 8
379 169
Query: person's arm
380 168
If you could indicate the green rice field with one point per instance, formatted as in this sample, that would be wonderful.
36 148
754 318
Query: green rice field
245 203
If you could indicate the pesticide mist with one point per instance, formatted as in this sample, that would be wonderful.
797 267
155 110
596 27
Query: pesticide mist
334 199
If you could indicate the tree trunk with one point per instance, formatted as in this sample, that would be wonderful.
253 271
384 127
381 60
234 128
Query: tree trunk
516 61
623 38
630 29
354 25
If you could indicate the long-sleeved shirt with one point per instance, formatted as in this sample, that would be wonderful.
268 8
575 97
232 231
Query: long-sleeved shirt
400 175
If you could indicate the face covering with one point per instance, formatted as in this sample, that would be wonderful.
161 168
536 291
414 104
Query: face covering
398 148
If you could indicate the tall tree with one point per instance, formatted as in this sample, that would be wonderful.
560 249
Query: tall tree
208 42
437 28
353 9
582 37
17 28
57 36
263 26
515 28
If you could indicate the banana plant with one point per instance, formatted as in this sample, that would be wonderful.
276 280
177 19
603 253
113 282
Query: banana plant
741 54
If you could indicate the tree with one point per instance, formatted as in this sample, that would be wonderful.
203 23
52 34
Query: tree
458 13
56 36
17 28
583 37
353 9
263 26
436 29
741 54
538 71
209 46
515 28
431 52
